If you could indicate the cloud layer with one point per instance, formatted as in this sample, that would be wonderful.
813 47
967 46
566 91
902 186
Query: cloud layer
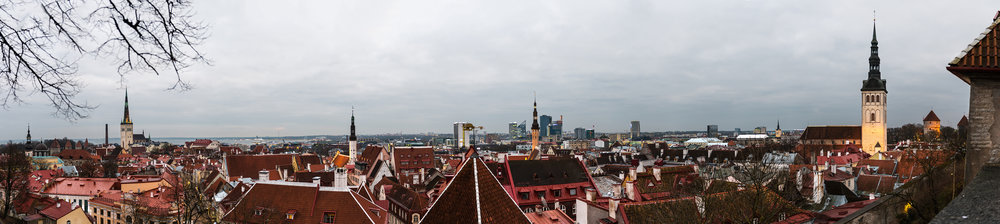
296 68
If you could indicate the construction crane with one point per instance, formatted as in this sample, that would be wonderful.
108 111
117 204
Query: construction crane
469 127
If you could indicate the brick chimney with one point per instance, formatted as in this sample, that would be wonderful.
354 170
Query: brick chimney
264 175
316 180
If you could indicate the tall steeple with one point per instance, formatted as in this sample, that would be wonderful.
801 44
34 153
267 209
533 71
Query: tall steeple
535 153
28 138
873 104
874 81
126 119
352 141
353 137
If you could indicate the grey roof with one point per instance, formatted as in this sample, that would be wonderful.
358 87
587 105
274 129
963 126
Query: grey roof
978 202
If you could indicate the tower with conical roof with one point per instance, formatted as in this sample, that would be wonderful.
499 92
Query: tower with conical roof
352 141
126 128
873 104
27 139
535 153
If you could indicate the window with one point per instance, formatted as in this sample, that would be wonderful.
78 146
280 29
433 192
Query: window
540 194
557 193
873 117
329 217
68 222
572 192
259 211
524 195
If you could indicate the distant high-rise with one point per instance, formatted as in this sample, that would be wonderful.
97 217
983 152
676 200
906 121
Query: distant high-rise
126 128
544 121
580 133
461 140
736 132
513 130
590 134
713 130
634 129
873 104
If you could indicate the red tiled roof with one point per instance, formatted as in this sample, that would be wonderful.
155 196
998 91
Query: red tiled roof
80 186
371 153
549 216
883 184
474 195
839 212
963 122
77 154
931 117
980 58
887 167
413 157
251 165
57 210
309 201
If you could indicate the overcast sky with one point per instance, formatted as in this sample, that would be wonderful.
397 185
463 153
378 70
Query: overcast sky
295 68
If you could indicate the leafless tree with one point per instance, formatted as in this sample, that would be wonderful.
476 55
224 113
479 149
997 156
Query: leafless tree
194 205
16 167
42 40
939 182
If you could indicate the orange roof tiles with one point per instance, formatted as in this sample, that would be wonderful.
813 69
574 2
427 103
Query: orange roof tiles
81 186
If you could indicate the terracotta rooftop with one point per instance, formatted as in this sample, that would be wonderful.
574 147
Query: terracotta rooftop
308 202
883 184
549 216
474 196
81 186
251 165
546 172
931 117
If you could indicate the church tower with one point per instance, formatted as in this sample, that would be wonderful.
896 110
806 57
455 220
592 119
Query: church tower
777 131
535 153
352 141
126 128
27 139
873 102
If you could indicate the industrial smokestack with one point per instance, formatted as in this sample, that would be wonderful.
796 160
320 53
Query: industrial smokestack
105 134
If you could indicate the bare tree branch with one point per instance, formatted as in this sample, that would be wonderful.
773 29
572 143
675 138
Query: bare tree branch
41 41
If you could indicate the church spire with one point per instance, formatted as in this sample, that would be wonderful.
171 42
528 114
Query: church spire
534 116
126 119
28 138
353 137
874 81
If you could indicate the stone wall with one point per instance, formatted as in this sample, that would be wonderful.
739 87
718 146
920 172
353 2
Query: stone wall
983 107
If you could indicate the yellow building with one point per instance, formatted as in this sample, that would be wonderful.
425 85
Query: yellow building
61 212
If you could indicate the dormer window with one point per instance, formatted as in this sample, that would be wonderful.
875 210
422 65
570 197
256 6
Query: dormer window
329 217
259 211
290 215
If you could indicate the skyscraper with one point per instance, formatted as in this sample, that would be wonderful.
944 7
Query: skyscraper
461 140
634 129
580 133
713 130
544 121
873 104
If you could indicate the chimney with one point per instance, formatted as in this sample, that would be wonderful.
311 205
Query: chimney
630 190
316 180
591 194
538 210
613 208
656 173
105 134
264 175
422 175
631 173
340 178
309 167
834 169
